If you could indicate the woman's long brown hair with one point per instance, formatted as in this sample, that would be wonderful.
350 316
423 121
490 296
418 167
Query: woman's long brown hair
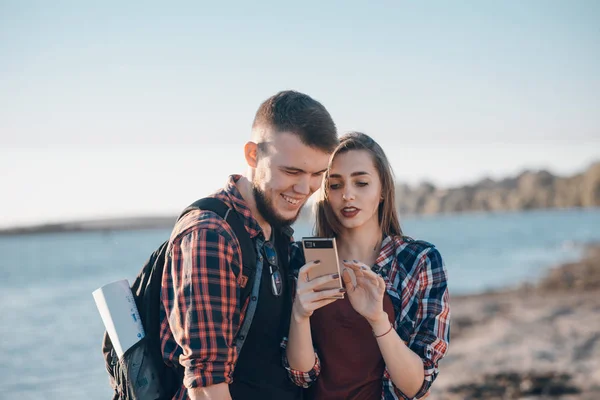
327 225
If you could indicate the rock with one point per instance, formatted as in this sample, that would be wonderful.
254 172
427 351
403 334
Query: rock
590 187
527 191
513 385
583 275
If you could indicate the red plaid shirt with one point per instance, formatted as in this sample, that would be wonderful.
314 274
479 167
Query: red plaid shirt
201 311
417 283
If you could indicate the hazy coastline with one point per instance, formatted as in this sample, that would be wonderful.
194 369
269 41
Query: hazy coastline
529 190
108 224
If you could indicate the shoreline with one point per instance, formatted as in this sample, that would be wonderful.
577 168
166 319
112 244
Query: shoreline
538 340
99 225
167 222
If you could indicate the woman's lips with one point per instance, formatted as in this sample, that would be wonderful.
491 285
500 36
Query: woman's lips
350 212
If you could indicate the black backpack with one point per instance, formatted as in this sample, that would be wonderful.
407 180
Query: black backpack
141 373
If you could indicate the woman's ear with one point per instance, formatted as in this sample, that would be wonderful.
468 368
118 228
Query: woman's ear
251 154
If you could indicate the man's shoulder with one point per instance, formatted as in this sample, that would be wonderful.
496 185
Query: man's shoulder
201 220
297 259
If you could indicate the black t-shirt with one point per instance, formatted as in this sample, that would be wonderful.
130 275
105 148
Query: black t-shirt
259 371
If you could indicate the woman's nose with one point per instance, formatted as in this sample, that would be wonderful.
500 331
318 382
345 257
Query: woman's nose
347 196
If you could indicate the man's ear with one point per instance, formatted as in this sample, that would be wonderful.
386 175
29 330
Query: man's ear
251 154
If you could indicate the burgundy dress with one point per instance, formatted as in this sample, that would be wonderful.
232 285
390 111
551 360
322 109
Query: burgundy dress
351 363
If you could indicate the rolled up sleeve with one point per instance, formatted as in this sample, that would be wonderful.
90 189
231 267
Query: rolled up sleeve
302 379
432 328
202 308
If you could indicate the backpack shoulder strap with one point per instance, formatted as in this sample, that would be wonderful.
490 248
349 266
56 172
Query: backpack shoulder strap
237 225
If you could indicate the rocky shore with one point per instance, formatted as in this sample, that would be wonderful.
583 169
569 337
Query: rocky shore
538 341
527 191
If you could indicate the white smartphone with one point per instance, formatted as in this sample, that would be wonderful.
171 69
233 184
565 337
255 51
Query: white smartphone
325 250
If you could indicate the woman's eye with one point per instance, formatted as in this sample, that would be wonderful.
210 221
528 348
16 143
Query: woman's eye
334 186
361 184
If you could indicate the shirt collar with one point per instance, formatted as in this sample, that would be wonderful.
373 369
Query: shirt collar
386 254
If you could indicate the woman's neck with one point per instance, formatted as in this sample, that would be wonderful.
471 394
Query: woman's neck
362 244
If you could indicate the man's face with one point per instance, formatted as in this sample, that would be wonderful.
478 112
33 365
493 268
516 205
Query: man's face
287 174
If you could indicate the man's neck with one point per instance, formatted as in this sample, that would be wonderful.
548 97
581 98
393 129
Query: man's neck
245 188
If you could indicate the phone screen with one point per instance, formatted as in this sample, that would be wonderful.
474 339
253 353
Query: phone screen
325 250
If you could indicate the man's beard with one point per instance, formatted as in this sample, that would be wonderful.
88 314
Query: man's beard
267 210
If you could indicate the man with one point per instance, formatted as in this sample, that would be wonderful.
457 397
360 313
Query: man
203 318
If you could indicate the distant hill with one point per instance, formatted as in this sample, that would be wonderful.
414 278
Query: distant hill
112 224
527 191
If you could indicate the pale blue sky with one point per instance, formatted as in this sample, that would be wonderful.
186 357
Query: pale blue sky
121 108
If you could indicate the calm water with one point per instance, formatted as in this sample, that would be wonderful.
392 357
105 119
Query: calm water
51 331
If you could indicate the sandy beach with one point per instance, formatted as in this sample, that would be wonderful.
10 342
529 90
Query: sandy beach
536 341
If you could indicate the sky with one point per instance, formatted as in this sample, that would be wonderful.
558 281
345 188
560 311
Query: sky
112 109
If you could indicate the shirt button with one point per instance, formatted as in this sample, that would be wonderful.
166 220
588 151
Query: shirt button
241 337
260 258
253 298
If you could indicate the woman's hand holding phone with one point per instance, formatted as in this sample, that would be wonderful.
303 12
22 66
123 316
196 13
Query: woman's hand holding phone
308 296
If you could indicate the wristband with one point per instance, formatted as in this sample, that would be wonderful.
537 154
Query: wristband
383 334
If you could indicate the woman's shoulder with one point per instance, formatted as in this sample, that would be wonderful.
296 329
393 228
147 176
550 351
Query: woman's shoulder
403 242
412 251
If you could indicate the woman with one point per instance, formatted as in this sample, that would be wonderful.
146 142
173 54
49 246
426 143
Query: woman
386 337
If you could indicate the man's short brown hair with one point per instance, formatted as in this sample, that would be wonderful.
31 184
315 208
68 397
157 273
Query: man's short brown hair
299 114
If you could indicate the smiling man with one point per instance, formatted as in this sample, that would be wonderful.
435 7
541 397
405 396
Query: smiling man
205 321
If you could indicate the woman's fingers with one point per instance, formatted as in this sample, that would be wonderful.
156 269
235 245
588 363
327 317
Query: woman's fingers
364 275
358 271
325 294
312 301
304 285
306 268
347 278
323 303
316 283
361 270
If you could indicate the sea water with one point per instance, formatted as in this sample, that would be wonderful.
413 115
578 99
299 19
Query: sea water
51 331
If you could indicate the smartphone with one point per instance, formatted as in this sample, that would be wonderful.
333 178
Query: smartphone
325 250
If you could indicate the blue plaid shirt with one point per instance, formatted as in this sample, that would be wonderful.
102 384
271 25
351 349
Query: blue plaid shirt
416 282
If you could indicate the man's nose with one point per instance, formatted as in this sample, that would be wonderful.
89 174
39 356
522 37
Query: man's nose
315 182
303 185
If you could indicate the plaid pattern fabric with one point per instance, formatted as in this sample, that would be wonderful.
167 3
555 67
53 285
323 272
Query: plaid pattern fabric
302 379
200 310
416 281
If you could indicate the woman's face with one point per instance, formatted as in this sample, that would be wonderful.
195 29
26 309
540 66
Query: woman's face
354 189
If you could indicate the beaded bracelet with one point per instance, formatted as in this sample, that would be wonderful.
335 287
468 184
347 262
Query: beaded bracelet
383 334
